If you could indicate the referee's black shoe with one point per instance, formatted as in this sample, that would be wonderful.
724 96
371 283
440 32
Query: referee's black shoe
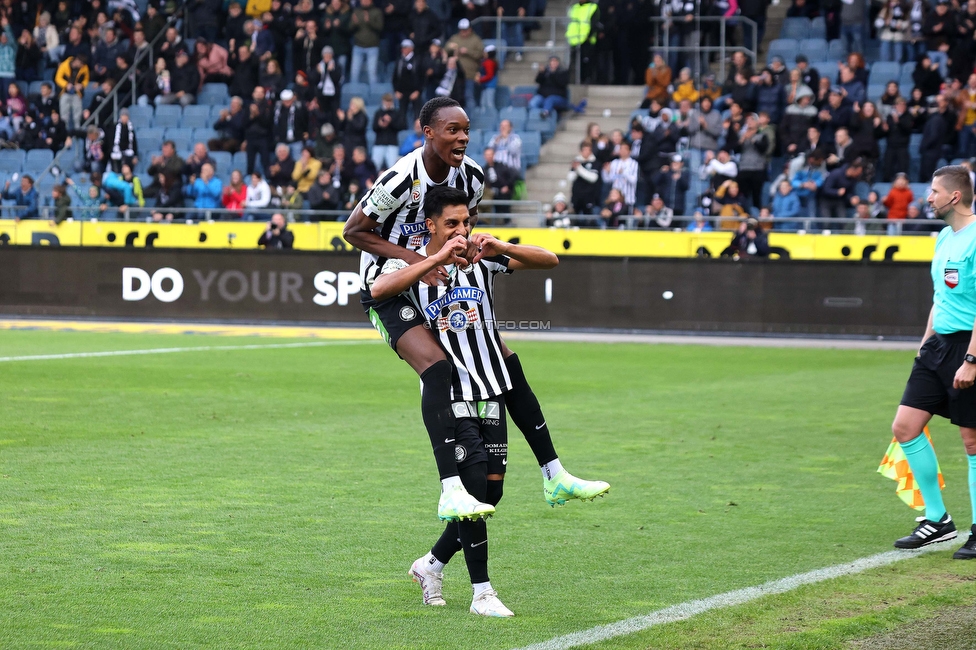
929 532
968 550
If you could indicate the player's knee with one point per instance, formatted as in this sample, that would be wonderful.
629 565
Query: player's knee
494 492
904 431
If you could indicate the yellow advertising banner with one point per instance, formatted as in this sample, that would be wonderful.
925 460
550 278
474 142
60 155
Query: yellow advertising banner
327 236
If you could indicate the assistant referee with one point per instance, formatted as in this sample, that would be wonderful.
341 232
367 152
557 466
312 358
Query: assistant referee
942 378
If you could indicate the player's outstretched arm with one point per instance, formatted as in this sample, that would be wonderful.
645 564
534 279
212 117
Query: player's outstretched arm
522 256
389 284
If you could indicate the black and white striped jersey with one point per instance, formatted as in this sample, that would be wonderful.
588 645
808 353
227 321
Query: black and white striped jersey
462 317
396 202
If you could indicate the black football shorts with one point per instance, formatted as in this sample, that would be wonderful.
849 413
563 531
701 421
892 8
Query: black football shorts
929 386
481 434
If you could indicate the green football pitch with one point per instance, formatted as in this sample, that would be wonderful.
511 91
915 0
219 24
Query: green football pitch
275 498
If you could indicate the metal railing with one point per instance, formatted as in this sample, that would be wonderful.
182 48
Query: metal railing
526 214
556 45
132 77
663 26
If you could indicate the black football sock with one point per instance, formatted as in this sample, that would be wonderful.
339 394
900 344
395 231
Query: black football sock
474 478
435 404
474 538
527 414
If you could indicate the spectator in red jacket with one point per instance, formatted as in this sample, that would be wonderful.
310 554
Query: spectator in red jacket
900 196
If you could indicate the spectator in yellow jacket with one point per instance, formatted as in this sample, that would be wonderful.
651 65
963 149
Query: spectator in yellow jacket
72 79
306 170
684 87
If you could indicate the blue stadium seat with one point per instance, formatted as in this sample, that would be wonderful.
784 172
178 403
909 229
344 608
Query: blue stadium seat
150 138
37 161
376 92
784 47
141 116
142 167
503 97
351 90
816 50
240 161
545 126
215 90
920 190
11 160
35 88
517 116
407 133
531 147
818 28
204 135
476 142
485 120
224 161
798 28
884 71
195 117
86 99
875 91
167 116
837 49
215 113
522 94
825 69
182 138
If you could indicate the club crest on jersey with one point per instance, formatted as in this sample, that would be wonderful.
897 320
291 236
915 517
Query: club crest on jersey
457 294
457 320
415 194
951 277
460 453
408 314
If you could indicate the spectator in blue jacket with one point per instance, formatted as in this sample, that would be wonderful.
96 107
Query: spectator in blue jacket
25 196
807 177
786 206
206 190
124 184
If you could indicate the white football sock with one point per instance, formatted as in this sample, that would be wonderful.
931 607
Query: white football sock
551 468
433 563
480 587
451 483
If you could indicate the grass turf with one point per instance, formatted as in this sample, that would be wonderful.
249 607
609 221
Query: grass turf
275 498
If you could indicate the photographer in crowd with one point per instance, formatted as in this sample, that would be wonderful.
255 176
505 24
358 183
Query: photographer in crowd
277 234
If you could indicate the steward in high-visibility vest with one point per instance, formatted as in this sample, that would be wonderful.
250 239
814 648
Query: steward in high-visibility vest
580 29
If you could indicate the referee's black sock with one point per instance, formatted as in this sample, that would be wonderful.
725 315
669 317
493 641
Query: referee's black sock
435 404
527 414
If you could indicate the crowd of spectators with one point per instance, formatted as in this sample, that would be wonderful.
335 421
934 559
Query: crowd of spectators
779 143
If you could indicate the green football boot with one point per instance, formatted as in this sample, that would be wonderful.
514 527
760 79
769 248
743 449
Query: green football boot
564 486
458 504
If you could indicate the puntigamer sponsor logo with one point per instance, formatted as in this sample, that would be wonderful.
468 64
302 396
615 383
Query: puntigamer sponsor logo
168 285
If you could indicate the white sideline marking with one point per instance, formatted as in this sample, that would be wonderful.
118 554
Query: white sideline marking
686 610
202 348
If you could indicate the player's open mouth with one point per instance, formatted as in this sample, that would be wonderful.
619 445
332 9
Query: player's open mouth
459 152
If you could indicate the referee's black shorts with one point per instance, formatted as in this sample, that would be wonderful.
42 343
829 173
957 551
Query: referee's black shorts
391 317
929 387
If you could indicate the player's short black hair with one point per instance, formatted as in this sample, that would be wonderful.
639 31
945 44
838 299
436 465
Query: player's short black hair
429 112
439 198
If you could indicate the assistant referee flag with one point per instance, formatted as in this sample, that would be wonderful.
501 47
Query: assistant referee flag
894 465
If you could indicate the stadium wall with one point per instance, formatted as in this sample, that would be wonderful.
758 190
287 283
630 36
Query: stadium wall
327 236
704 295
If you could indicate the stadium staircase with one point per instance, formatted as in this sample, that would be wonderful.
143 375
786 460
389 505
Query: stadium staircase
608 106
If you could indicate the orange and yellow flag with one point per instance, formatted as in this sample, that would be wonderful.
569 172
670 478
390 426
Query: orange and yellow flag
894 465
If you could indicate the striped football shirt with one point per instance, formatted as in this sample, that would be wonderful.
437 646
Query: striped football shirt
462 317
396 203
